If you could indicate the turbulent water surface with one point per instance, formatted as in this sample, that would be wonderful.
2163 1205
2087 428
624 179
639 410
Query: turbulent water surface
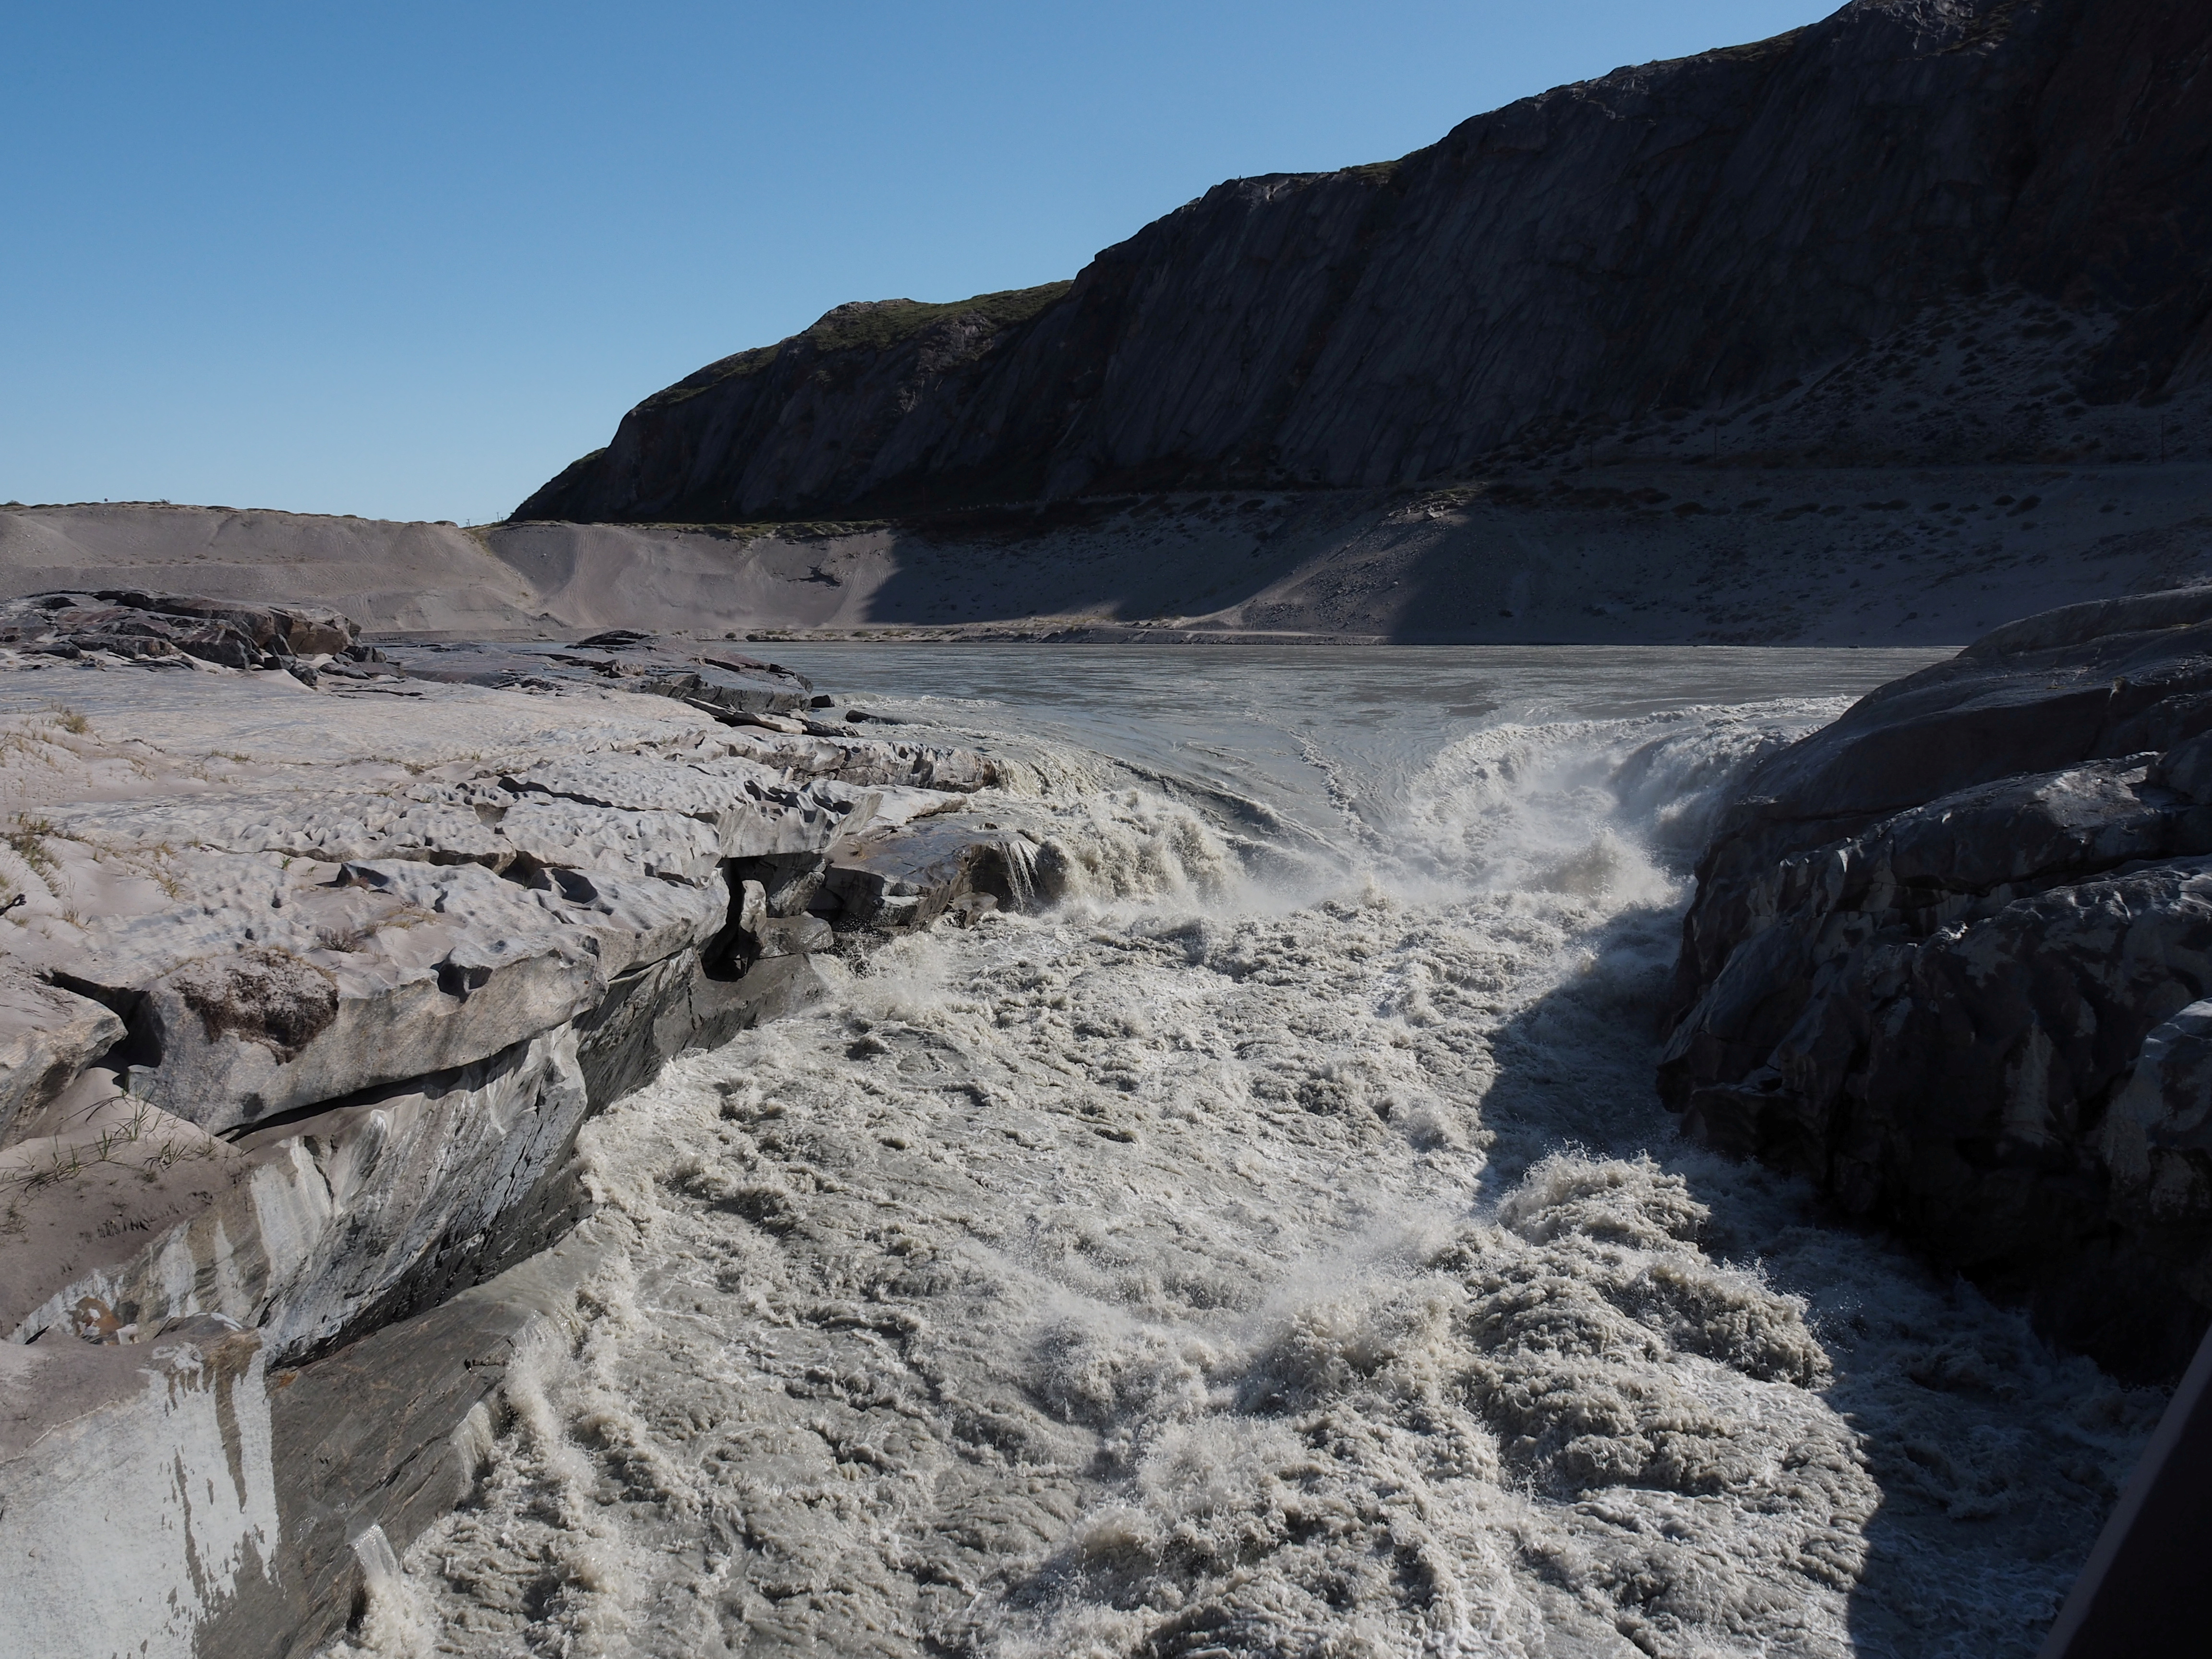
1276 1247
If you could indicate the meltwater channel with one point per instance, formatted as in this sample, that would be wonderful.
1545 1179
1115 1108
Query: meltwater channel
1275 1246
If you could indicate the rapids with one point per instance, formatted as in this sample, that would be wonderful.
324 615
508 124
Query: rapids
1275 1247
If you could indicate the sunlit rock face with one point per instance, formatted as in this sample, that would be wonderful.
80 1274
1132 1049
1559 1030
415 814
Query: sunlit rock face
314 965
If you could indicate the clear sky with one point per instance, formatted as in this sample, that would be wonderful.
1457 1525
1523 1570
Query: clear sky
407 260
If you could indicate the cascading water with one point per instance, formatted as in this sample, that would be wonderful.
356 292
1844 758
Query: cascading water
1274 1247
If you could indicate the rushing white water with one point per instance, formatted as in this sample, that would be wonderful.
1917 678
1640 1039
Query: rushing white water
1276 1248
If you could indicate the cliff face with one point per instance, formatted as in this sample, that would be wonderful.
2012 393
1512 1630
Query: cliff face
1683 233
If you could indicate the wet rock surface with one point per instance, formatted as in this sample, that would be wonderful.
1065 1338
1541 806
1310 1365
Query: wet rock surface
314 966
1947 957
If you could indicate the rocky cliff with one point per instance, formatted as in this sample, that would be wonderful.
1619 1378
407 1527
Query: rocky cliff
1951 957
1707 232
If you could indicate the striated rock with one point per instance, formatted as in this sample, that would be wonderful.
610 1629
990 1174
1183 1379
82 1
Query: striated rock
1944 956
182 1496
140 1489
302 1232
1694 232
908 876
309 984
157 627
391 1008
374 1442
263 1031
718 681
873 762
748 810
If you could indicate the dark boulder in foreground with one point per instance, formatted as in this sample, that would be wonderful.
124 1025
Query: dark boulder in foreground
1670 235
1951 957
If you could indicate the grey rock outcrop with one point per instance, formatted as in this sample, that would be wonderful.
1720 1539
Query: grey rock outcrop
1683 233
1947 957
720 682
103 1451
307 985
47 1037
181 1496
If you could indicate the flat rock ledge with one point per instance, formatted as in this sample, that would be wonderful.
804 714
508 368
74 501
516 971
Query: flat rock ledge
1951 958
313 960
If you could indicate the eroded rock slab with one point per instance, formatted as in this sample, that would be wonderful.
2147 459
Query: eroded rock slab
307 981
719 681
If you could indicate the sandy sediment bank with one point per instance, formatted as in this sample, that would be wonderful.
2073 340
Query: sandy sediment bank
1630 552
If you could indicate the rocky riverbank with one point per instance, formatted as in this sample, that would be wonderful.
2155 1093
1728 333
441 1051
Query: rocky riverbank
1950 957
316 958
320 957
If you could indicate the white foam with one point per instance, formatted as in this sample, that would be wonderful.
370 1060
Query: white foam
1234 1261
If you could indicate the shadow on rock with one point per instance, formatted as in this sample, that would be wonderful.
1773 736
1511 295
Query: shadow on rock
1945 1469
1950 956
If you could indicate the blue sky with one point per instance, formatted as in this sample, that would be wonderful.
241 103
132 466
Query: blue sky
407 260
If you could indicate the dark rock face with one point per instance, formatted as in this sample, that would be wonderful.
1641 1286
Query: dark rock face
1949 957
1671 235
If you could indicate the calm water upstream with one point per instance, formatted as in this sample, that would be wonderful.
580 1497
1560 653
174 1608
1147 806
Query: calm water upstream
1276 1248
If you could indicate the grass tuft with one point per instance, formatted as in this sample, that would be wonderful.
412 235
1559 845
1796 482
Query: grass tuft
29 839
862 325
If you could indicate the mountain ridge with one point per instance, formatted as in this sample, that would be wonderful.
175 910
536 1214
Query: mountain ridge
1687 234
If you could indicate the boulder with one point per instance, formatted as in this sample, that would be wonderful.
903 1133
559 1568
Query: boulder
907 875
47 1037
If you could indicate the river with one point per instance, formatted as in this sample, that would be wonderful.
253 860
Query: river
1276 1246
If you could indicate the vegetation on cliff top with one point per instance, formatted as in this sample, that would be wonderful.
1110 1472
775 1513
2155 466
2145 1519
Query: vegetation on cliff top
866 325
875 325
